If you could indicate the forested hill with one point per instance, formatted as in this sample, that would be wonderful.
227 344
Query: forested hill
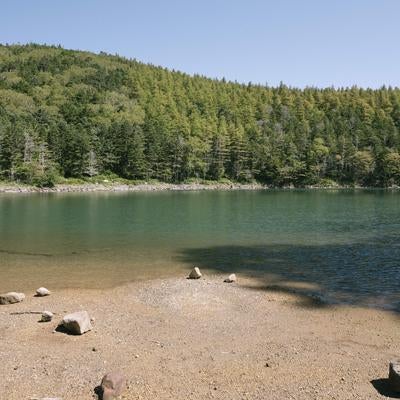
68 113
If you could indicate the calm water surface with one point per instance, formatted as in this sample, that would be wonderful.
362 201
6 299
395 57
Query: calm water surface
344 245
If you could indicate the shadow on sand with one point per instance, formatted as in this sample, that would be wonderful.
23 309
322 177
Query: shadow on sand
383 388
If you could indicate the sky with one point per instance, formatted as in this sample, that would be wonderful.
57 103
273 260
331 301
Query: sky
299 42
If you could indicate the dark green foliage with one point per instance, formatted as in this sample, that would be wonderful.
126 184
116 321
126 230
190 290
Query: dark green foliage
78 114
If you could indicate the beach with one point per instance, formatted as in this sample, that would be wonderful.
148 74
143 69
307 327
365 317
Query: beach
198 339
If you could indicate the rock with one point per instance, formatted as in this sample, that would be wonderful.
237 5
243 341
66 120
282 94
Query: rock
47 316
231 278
195 274
77 323
113 385
45 398
42 291
11 298
394 375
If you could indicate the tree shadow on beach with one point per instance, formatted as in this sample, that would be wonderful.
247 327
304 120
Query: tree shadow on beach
360 274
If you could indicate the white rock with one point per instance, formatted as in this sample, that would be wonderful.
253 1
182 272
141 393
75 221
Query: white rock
195 274
231 278
47 316
77 323
42 291
11 297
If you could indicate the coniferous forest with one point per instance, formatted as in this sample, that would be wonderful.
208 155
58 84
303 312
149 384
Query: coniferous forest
73 114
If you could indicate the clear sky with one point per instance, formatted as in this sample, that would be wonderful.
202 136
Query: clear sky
299 42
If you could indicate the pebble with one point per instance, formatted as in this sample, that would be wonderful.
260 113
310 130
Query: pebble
231 278
11 298
195 273
47 316
42 291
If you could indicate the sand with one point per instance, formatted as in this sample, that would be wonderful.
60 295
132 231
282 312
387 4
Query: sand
197 339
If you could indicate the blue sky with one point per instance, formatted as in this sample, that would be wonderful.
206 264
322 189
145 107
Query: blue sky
300 42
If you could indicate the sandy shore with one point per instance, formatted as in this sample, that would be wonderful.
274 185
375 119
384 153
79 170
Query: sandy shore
197 339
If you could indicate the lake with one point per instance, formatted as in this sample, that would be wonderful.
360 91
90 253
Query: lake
343 245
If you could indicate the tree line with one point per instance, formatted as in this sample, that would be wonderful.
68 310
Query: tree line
76 114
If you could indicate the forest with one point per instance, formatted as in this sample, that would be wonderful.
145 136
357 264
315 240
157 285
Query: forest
68 114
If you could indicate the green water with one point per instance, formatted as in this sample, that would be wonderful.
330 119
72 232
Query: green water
345 244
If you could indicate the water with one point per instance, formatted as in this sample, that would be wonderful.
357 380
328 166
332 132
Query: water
343 245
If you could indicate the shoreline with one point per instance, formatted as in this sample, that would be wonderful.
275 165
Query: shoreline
228 341
118 187
159 187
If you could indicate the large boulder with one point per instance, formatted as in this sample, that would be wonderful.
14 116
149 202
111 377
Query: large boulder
42 291
195 273
77 323
112 385
394 375
11 297
230 279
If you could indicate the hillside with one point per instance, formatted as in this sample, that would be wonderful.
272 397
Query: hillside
75 114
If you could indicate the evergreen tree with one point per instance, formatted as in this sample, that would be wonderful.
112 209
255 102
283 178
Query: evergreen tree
78 114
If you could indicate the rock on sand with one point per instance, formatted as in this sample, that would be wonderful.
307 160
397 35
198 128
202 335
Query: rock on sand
47 316
113 385
42 291
11 297
195 274
77 323
231 278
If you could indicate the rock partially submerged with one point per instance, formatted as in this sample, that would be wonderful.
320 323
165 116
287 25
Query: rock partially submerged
47 316
112 385
394 375
230 279
76 323
195 273
11 298
42 291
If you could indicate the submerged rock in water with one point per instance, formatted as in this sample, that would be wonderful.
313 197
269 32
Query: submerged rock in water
394 375
11 298
113 384
77 323
47 316
42 291
231 278
195 274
